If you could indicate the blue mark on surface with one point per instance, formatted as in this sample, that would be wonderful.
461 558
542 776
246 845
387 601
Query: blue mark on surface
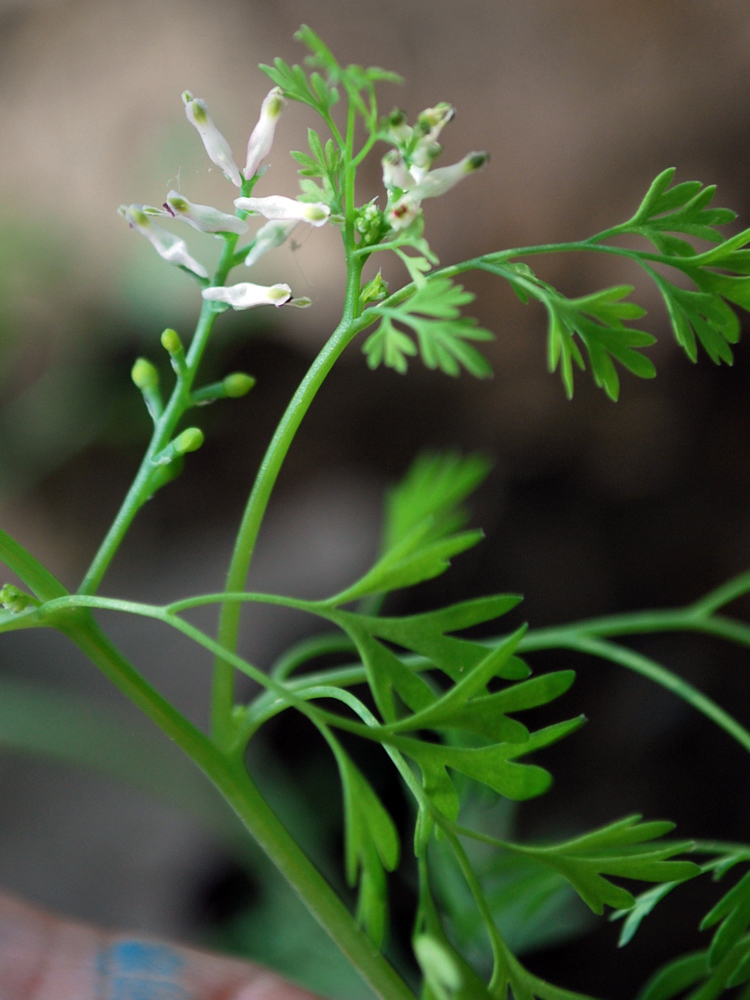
139 970
138 957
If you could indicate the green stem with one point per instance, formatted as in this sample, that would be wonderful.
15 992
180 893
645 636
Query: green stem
36 576
164 428
223 686
666 679
234 783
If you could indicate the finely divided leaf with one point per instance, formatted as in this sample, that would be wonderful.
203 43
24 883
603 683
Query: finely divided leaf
684 209
371 847
597 320
624 849
433 314
423 514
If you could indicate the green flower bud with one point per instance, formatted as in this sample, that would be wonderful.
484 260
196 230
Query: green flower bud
238 384
374 291
14 600
189 440
170 341
144 374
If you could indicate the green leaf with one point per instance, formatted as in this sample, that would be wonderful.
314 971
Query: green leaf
492 766
423 514
371 845
443 710
623 849
644 904
680 209
597 320
701 314
732 913
433 314
676 977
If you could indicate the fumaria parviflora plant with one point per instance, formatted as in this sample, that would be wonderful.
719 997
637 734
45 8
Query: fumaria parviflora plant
444 710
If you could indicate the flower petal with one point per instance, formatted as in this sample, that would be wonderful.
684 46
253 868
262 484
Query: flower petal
272 235
170 247
438 181
203 217
277 207
216 145
261 139
246 295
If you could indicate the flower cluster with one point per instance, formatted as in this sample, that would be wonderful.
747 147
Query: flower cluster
407 173
282 214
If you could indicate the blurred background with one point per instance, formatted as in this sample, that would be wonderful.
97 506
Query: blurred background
591 507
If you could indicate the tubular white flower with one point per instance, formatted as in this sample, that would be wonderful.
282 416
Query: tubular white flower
216 145
395 171
403 212
439 181
270 236
246 295
203 217
277 207
431 121
167 245
261 138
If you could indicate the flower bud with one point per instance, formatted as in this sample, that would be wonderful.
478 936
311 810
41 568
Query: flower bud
189 440
246 295
431 121
15 600
144 374
203 217
395 172
238 384
170 341
374 291
216 145
170 247
439 181
395 124
277 207
268 237
261 139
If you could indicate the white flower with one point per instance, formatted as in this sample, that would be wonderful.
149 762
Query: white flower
403 212
437 182
395 172
167 245
203 217
246 295
216 145
277 207
272 235
431 121
261 139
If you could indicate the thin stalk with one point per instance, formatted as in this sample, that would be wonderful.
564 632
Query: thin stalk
223 684
666 679
164 428
237 787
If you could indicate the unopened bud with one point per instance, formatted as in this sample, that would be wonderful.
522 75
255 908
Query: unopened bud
216 145
170 341
144 374
374 291
238 384
189 440
14 600
261 140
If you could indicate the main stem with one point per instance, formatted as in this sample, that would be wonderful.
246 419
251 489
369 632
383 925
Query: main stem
229 775
223 684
